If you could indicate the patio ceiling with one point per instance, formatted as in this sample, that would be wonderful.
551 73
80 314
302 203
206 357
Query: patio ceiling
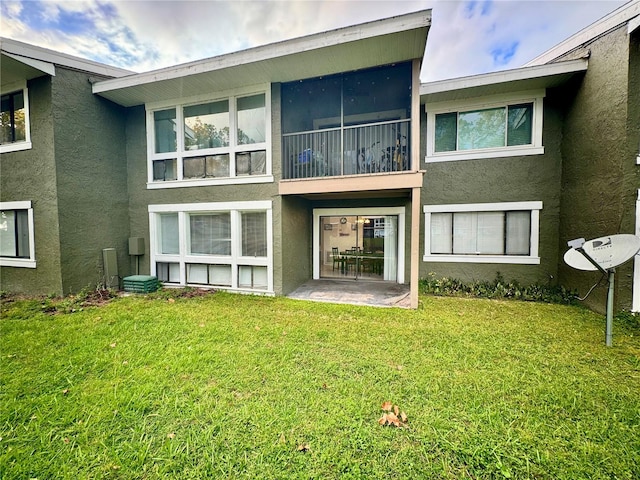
381 42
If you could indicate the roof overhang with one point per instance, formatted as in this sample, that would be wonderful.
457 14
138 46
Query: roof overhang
381 42
14 68
507 81
20 61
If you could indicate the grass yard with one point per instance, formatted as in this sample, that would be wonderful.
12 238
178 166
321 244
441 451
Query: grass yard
231 386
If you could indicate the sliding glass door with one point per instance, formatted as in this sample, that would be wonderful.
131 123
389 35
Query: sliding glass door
359 247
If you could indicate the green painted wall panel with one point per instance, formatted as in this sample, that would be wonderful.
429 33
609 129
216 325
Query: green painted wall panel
89 134
600 177
31 175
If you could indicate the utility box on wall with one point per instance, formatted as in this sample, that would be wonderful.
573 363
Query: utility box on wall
110 262
136 246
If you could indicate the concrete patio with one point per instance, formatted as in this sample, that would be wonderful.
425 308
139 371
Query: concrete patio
355 292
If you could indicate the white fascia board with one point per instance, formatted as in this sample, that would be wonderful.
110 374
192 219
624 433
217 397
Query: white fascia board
24 52
618 17
505 76
307 43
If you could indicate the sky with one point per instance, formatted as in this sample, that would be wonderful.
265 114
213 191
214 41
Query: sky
466 37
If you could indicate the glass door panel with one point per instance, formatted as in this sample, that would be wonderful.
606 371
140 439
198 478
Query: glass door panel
355 247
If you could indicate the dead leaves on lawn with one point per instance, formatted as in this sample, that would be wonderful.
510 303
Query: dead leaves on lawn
392 415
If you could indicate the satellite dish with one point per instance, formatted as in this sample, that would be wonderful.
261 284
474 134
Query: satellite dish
608 252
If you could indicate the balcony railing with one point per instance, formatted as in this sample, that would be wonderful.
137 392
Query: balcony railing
357 150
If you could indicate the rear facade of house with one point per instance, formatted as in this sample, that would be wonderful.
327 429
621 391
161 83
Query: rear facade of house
319 157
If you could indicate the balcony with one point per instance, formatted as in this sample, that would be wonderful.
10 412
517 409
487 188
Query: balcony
374 148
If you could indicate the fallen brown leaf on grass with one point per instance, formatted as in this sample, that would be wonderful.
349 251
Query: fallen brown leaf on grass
303 447
392 416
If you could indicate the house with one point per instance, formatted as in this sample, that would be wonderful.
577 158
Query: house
319 157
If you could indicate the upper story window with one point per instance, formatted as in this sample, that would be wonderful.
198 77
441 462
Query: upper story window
210 142
498 126
14 119
17 235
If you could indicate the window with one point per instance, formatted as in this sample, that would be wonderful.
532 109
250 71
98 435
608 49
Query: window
495 127
14 120
210 142
482 233
16 235
224 245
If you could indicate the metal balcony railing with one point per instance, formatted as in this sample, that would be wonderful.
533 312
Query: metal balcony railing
356 150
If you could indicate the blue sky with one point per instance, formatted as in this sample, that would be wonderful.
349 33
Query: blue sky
466 38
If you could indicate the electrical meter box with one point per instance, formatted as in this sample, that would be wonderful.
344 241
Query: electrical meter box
136 246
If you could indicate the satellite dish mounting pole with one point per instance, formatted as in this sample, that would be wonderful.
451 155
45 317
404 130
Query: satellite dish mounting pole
608 337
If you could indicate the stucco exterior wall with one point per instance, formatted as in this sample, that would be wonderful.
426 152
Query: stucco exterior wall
495 180
91 179
31 175
599 175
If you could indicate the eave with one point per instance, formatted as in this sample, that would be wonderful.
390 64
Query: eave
381 42
21 61
507 81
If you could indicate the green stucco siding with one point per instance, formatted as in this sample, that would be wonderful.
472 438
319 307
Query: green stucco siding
599 176
89 138
31 175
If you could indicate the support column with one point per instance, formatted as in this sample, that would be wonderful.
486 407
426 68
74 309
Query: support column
415 246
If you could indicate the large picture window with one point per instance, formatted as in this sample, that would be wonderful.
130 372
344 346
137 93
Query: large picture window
492 127
224 245
482 233
14 120
219 141
16 235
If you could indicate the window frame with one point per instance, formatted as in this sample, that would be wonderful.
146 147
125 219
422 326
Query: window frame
26 143
235 260
536 97
29 262
532 259
232 150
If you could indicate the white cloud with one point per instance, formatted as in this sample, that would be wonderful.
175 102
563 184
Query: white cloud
466 37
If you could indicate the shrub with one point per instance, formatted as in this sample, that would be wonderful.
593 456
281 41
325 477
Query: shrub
498 288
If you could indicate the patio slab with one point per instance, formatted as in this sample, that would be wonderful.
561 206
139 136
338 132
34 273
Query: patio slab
354 292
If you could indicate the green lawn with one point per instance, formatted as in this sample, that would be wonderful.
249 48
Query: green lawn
232 386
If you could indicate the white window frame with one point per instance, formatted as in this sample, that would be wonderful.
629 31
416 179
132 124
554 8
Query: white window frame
26 143
181 153
536 148
235 260
21 262
531 259
365 212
